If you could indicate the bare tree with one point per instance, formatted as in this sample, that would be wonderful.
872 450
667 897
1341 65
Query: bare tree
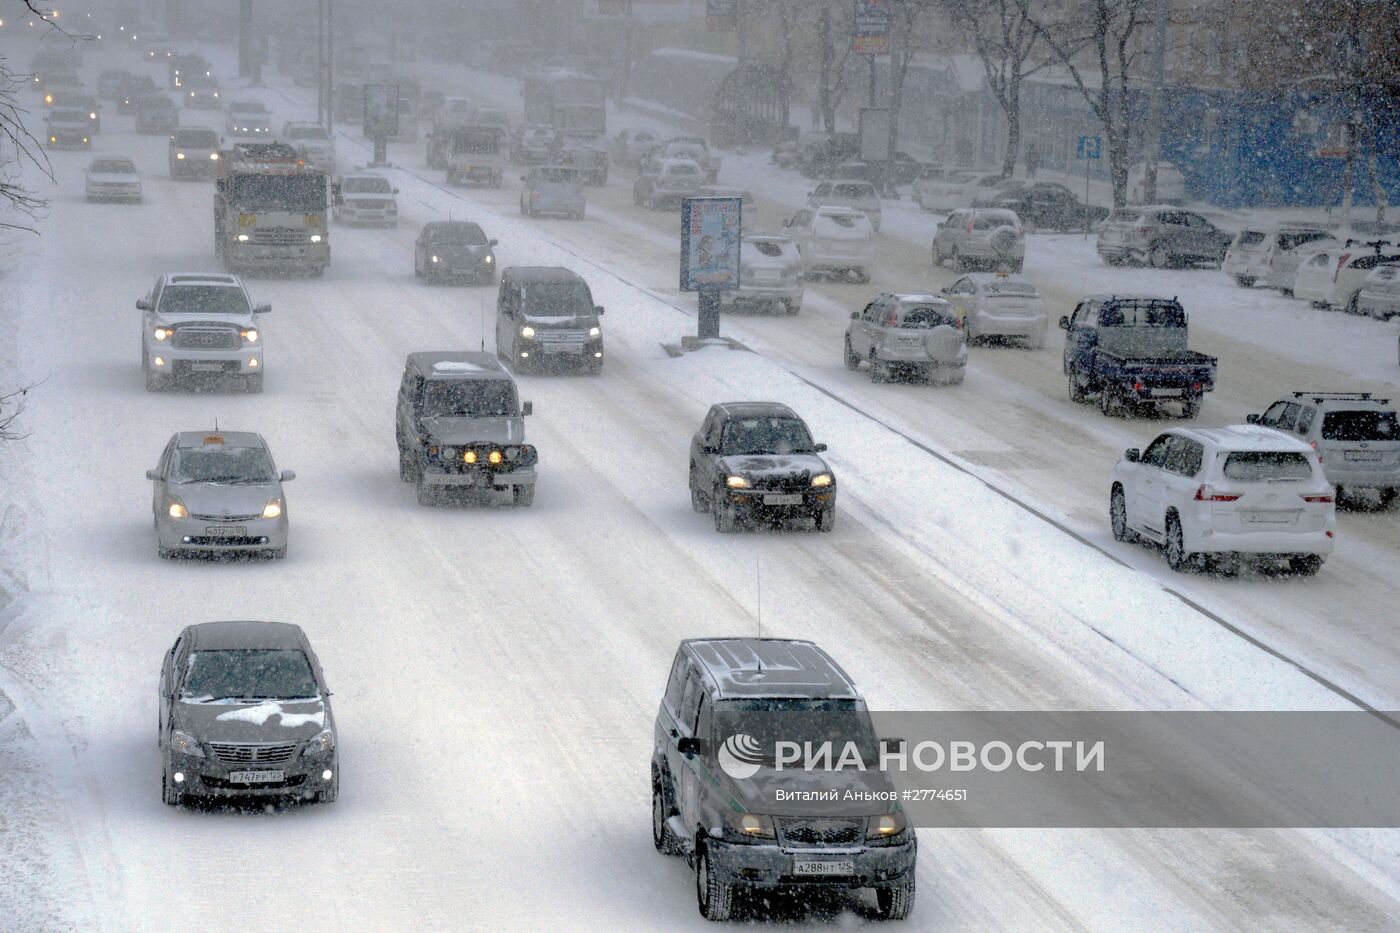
834 50
1004 37
11 407
17 144
904 17
1105 29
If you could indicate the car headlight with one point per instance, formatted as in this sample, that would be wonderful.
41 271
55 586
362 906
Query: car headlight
92 116
214 156
489 259
469 456
53 139
494 457
185 744
162 333
746 826
594 331
176 509
736 482
436 259
527 331
179 155
315 238
320 743
822 479
273 509
243 238
886 826
249 335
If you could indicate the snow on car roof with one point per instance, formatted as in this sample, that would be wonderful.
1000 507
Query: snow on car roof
201 278
769 667
1246 437
188 439
449 364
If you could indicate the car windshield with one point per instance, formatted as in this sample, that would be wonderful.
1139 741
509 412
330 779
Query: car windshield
767 247
307 132
1360 425
927 317
469 398
233 466
765 436
247 108
1011 289
296 193
1295 238
1262 466
682 170
69 116
465 234
853 191
993 220
366 186
1250 238
203 299
847 221
556 299
1124 217
814 721
1143 314
204 139
249 674
113 167
554 176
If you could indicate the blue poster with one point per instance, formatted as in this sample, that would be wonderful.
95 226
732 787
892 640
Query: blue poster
710 234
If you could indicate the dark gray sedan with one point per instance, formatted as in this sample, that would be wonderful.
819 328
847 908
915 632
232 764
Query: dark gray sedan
244 712
219 492
454 249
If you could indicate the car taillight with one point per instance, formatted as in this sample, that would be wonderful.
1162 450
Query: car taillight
1195 387
1313 445
1327 498
1138 386
1143 230
1342 261
1204 493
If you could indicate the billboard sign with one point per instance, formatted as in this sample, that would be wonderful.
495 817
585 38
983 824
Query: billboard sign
381 111
870 33
710 233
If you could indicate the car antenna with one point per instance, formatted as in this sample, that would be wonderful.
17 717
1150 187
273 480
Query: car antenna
758 569
481 320
216 425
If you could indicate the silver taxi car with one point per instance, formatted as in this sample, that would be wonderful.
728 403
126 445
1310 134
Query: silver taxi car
219 492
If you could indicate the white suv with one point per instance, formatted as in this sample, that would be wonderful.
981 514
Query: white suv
1215 495
195 324
1357 437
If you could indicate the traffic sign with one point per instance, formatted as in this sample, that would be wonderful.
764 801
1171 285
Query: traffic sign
1090 147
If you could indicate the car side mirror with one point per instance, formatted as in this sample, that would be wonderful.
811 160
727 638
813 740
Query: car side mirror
153 475
288 475
1251 419
1132 455
395 191
819 448
142 304
262 309
1064 322
689 746
492 242
527 409
522 178
598 309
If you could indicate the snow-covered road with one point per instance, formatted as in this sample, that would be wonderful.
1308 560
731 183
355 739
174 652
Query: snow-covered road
497 671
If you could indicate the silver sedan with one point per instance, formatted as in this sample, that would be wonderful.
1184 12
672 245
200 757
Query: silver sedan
219 493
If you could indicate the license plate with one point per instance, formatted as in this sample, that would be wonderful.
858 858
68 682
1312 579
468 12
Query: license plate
206 367
1364 456
809 866
1267 518
226 531
256 777
1165 393
783 499
571 348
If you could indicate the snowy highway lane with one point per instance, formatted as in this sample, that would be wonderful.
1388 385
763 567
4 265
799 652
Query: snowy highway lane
497 671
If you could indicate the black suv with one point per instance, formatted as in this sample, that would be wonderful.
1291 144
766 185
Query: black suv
460 425
714 781
756 460
244 712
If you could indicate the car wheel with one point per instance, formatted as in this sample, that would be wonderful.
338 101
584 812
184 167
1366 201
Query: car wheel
1158 257
1190 408
1351 306
852 361
955 378
793 308
896 902
958 262
1244 281
155 381
1305 565
937 255
1118 516
279 553
714 898
330 794
661 836
253 383
825 518
1076 391
1177 558
699 502
1387 497
1108 401
723 512
879 370
523 495
164 553
426 494
168 794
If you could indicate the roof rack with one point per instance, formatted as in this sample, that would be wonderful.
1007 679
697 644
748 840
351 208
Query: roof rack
1341 396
